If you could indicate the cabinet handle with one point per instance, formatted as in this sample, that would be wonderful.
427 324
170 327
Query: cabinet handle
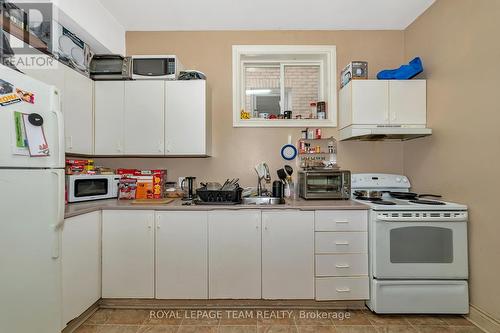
346 290
70 142
342 221
160 146
119 147
342 266
341 243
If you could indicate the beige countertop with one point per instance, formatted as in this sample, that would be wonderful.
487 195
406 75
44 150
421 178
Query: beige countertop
75 209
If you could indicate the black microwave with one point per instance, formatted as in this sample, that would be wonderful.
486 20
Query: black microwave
158 67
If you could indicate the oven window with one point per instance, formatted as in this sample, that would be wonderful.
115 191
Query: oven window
90 187
324 183
421 244
151 67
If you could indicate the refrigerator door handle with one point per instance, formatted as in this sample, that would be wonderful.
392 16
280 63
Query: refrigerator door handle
60 216
60 130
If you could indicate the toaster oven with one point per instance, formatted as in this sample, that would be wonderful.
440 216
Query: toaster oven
110 67
325 184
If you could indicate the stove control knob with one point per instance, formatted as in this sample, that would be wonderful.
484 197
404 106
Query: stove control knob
405 180
398 179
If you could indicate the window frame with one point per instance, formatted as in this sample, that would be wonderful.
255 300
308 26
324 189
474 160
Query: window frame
328 81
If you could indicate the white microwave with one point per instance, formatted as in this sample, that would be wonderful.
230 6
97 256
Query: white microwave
155 67
91 187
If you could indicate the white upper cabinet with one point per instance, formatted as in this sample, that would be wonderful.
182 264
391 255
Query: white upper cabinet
144 117
187 123
76 105
287 254
152 118
77 108
108 114
383 102
234 239
364 102
407 102
181 255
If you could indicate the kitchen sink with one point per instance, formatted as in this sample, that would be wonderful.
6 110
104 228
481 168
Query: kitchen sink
262 201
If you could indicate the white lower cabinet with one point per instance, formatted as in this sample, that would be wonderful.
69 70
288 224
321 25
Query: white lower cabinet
342 288
181 255
234 238
219 254
127 254
81 264
287 254
341 255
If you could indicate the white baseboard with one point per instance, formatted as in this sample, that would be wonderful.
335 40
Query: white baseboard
483 320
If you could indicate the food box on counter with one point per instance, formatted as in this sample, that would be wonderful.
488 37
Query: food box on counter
77 166
150 184
127 189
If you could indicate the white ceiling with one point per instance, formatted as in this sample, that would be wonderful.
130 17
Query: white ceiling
157 15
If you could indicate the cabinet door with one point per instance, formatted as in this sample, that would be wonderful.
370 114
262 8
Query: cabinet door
185 118
181 255
234 239
370 104
108 113
144 117
81 264
127 254
77 108
53 76
287 255
407 102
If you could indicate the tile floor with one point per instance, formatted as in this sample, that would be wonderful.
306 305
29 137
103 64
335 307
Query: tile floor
139 321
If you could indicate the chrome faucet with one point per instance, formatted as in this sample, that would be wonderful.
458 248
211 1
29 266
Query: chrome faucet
262 170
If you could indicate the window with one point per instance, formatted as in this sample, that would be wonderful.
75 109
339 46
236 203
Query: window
279 85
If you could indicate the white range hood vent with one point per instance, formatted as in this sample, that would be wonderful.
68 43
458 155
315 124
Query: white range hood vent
383 132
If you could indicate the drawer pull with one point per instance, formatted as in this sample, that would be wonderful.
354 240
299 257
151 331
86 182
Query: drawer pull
342 221
341 243
342 266
346 290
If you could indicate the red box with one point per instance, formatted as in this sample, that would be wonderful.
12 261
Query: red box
150 183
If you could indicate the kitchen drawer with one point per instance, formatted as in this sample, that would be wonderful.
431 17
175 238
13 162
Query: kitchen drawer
342 288
346 220
342 264
341 242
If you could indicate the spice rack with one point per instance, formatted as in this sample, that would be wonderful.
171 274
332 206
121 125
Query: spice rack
317 153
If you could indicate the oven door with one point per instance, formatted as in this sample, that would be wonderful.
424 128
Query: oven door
419 246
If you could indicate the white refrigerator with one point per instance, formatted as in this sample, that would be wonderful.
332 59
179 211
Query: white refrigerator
31 204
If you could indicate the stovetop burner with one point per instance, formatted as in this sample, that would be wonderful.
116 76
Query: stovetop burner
427 202
378 201
383 202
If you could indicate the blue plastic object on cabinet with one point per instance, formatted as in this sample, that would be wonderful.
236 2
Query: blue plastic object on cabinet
405 72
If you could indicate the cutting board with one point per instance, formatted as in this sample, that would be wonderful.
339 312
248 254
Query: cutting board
152 201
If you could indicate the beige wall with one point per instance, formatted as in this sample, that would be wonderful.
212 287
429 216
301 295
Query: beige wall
458 41
237 150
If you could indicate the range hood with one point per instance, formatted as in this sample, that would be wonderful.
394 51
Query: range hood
383 132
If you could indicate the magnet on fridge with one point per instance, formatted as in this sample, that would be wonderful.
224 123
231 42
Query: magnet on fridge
35 119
